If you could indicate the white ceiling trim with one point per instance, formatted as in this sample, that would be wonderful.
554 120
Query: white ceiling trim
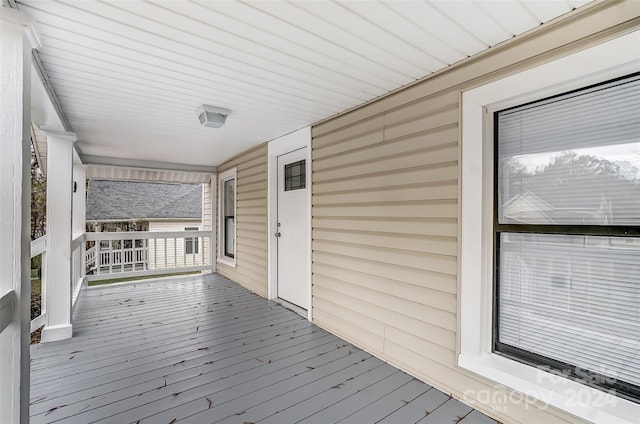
132 173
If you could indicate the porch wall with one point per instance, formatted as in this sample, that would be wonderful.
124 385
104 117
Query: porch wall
251 221
385 211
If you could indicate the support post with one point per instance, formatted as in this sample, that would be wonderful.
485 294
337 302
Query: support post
209 223
78 228
79 200
59 216
16 41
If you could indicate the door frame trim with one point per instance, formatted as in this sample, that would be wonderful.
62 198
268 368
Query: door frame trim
293 141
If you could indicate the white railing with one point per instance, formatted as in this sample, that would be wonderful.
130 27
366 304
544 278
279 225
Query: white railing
137 253
39 247
90 258
77 268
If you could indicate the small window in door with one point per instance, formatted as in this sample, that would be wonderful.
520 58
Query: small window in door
295 176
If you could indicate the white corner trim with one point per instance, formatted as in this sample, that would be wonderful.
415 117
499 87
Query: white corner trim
294 141
611 59
224 260
222 177
60 135
21 19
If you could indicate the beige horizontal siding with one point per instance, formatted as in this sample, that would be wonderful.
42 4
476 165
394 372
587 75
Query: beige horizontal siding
251 221
418 226
390 179
173 247
426 278
385 211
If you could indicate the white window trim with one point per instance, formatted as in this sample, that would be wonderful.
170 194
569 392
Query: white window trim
195 239
611 59
231 174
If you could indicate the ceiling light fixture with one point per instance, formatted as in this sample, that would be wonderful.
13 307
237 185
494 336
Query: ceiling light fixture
212 116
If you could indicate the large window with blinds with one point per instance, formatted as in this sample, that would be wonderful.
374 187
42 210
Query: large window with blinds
567 235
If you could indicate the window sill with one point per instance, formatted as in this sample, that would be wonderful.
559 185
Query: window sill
226 261
578 399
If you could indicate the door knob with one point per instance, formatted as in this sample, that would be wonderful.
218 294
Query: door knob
278 234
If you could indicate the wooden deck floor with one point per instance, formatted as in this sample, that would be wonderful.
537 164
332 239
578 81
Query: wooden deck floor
201 349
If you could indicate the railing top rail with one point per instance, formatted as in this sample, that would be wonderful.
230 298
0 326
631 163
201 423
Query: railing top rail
77 242
7 309
38 246
141 235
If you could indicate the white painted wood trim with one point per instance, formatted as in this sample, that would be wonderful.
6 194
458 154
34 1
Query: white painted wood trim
213 245
115 172
141 235
38 322
79 199
280 146
145 273
609 60
38 246
146 164
7 309
17 38
21 19
59 230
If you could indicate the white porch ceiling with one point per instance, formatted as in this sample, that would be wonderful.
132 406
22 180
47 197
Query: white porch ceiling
130 74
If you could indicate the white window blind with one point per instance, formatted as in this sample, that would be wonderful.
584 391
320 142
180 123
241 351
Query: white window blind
574 159
573 299
568 233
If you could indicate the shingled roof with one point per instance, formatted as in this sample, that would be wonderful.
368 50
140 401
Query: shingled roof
141 201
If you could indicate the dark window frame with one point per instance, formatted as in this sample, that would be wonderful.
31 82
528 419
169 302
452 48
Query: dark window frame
288 179
193 242
596 380
226 218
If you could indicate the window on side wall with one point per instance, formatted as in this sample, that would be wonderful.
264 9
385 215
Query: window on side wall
567 234
227 217
550 232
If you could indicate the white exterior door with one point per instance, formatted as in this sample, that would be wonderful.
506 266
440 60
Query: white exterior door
291 231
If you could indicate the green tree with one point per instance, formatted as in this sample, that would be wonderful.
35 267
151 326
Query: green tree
38 198
574 182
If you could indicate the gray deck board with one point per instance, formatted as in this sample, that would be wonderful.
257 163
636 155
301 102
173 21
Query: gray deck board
97 363
417 409
201 349
339 401
135 381
237 398
391 402
452 411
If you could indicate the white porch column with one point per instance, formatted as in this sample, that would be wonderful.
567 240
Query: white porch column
59 194
78 228
16 39
209 221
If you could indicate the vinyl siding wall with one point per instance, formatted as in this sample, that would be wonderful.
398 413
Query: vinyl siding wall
251 221
174 248
385 212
